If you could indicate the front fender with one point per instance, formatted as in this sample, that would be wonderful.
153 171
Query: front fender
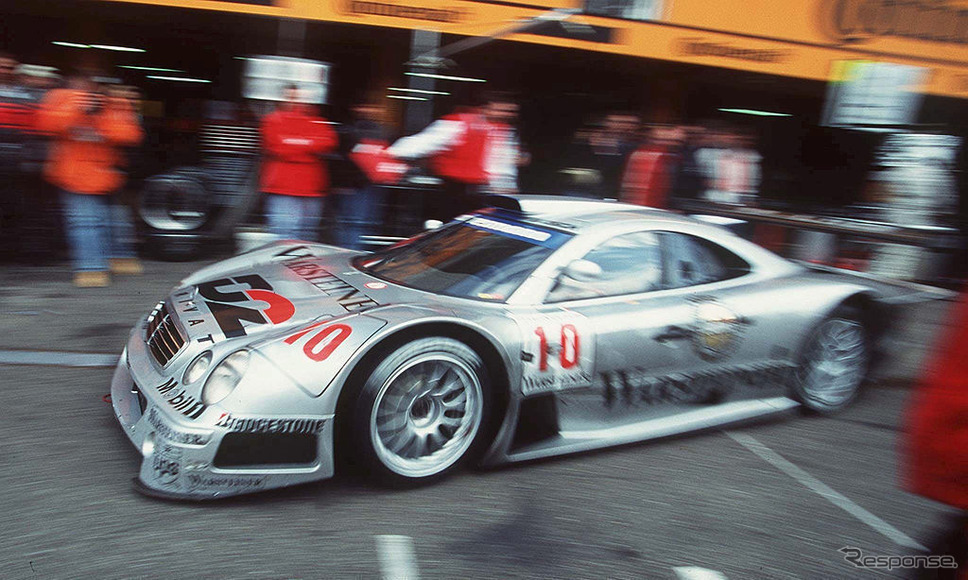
496 332
315 354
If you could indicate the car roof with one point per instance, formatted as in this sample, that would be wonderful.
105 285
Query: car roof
575 213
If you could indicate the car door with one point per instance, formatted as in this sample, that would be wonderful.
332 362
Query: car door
678 324
738 346
641 339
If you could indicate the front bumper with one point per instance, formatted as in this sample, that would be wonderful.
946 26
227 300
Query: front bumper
179 460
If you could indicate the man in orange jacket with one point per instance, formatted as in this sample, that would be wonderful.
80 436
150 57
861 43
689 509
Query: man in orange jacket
87 130
293 174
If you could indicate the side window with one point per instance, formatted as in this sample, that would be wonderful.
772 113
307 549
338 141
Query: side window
690 260
630 263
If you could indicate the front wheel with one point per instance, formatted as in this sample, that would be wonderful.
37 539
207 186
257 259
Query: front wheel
422 411
834 363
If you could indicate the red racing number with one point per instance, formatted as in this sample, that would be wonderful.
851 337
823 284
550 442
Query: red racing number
542 349
324 337
570 347
569 337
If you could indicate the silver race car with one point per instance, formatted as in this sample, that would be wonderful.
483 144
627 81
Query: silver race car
545 327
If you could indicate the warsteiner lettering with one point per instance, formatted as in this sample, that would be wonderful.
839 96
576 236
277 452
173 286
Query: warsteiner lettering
329 284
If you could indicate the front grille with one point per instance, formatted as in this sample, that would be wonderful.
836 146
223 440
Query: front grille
162 336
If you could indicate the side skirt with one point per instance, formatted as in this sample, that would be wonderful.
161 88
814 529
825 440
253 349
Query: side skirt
577 441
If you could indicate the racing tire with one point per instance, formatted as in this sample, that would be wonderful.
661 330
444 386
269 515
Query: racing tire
834 363
422 412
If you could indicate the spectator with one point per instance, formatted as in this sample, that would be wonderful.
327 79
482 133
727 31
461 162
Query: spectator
733 169
41 238
597 157
88 128
687 184
293 174
457 146
748 173
935 451
651 170
707 157
504 154
17 104
625 126
366 169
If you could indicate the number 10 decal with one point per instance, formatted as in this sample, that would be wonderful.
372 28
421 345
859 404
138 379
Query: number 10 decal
569 353
558 350
330 337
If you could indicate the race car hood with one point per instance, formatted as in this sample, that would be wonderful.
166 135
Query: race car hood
252 296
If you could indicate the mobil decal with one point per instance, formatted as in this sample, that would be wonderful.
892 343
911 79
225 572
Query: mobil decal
248 298
180 400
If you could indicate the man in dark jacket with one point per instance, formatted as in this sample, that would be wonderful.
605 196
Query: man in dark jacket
17 110
366 169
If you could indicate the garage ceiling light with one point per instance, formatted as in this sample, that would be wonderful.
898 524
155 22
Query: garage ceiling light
70 44
177 79
117 48
151 68
406 98
756 113
420 91
446 77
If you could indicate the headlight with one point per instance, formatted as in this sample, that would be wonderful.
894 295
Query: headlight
225 377
198 368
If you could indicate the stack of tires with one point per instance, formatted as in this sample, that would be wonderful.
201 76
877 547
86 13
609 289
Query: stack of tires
194 209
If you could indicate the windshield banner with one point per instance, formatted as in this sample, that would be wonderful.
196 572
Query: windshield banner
518 231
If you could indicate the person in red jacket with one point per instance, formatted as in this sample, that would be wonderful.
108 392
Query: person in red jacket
650 171
457 145
294 176
936 448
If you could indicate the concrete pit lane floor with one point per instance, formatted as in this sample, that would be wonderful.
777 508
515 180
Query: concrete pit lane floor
773 499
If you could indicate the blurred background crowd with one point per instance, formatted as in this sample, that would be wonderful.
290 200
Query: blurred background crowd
120 138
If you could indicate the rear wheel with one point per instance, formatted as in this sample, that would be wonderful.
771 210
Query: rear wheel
422 412
834 363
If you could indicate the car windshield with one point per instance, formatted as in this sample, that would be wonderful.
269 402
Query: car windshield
483 258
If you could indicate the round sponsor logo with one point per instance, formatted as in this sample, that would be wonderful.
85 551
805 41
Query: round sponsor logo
375 285
716 331
166 464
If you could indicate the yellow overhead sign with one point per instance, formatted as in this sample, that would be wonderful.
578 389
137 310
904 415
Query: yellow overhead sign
796 38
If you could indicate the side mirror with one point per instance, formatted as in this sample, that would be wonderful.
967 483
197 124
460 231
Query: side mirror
583 271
